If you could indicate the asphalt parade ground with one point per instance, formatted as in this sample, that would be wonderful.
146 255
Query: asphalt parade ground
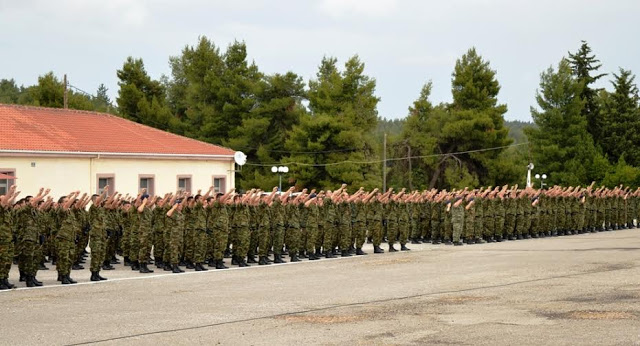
571 290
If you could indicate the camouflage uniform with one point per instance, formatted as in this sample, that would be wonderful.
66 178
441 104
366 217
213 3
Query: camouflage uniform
97 237
28 240
145 234
6 241
201 237
175 224
374 222
457 220
359 227
277 226
220 229
65 242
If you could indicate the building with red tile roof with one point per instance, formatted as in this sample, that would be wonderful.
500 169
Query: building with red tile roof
67 150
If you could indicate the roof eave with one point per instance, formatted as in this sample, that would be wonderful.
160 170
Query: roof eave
85 154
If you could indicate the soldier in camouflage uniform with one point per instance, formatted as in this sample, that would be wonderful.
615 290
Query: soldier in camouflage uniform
97 236
6 237
145 233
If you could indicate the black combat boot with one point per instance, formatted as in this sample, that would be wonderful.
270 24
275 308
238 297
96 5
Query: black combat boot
435 242
293 257
8 284
77 266
263 261
458 243
335 252
480 241
234 260
318 252
66 280
42 266
498 238
251 259
114 260
200 268
313 257
220 265
94 276
391 248
242 263
519 237
345 253
127 262
144 269
448 242
35 280
329 254
190 265
176 269
403 247
29 281
359 252
23 276
301 254
159 263
167 267
377 249
106 265
415 241
134 266
277 258
528 236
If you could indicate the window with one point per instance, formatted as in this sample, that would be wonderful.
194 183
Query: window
184 183
104 180
147 182
219 185
5 182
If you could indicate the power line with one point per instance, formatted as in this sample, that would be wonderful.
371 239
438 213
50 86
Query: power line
304 152
380 161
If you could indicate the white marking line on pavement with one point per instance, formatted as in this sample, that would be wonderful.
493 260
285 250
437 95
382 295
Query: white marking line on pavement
189 273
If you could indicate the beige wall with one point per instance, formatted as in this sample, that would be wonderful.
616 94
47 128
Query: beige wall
63 175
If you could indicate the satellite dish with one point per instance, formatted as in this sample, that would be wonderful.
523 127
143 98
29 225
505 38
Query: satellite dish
240 158
530 166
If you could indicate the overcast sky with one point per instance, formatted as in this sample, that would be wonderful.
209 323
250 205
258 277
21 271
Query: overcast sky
403 43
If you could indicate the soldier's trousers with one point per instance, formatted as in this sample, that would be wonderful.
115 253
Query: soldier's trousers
359 234
312 236
264 240
220 238
65 253
403 232
327 241
320 236
488 224
27 258
201 242
469 223
6 258
375 229
509 224
145 243
243 239
189 243
416 232
278 238
253 240
125 240
458 228
158 243
175 245
435 229
98 248
499 225
425 228
134 244
293 239
447 229
392 232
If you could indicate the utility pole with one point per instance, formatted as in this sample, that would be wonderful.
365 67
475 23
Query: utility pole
65 102
384 164
409 159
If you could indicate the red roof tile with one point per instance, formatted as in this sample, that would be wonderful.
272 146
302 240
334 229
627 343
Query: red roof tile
66 130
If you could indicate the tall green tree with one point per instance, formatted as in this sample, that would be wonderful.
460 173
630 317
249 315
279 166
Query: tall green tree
266 127
561 144
338 130
620 116
9 91
140 98
585 66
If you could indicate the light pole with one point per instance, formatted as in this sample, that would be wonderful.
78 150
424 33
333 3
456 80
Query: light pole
542 178
280 170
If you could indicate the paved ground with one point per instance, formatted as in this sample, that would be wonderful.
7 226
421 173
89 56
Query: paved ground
575 290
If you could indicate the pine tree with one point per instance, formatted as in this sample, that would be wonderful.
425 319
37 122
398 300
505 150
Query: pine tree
561 145
620 118
585 66
338 131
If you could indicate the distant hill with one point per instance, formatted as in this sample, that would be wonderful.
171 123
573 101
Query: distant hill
516 130
393 128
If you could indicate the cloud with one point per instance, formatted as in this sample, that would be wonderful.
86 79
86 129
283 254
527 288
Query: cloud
347 8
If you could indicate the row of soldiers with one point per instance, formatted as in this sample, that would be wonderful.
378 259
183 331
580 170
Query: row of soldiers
180 230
